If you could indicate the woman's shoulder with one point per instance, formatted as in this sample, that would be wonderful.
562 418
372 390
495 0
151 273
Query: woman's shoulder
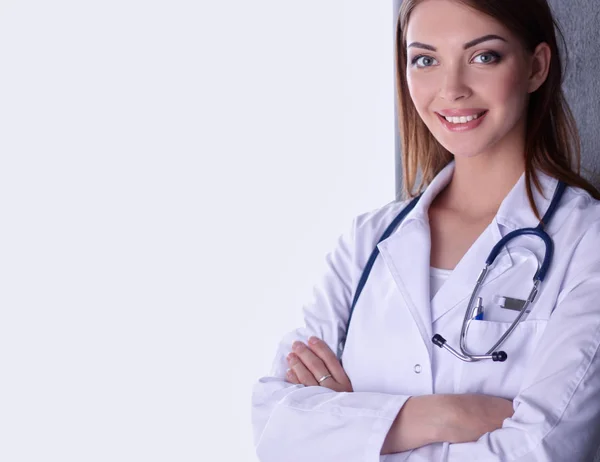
576 207
578 228
368 228
380 218
582 207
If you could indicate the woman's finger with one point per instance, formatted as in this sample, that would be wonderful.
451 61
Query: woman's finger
332 364
312 362
291 377
305 377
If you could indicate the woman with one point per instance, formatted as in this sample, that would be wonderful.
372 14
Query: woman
485 124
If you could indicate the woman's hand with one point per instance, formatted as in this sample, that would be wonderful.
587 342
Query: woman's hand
470 416
310 363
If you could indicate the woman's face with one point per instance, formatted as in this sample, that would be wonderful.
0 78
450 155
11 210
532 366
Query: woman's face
465 65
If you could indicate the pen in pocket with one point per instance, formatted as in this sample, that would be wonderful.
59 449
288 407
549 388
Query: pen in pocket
478 311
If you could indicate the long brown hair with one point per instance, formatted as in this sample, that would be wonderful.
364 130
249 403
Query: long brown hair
552 142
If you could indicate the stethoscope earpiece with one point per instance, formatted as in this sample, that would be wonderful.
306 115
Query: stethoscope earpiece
499 356
438 340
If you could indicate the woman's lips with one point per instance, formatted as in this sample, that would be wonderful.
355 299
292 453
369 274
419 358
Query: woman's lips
462 127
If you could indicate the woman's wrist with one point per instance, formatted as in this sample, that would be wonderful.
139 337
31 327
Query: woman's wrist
448 418
467 417
439 411
420 422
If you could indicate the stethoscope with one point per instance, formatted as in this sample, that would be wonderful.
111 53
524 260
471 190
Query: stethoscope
471 313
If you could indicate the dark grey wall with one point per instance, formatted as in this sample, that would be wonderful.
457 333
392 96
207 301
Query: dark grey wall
579 21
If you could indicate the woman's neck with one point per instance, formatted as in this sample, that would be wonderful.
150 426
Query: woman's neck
480 184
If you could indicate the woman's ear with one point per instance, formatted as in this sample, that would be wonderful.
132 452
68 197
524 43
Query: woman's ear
540 65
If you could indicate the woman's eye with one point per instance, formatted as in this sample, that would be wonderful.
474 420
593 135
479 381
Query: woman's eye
486 58
423 61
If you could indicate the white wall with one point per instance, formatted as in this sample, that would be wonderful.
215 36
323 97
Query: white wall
172 174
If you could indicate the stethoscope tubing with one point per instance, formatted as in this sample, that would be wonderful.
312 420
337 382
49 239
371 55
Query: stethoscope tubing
464 354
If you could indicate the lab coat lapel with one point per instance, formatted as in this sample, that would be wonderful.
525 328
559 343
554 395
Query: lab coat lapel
407 255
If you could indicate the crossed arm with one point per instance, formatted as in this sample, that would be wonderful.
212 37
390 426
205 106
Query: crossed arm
556 412
422 420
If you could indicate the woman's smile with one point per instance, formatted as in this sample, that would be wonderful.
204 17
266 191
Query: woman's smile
462 123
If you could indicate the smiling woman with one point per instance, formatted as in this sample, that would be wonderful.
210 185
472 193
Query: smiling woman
498 62
485 126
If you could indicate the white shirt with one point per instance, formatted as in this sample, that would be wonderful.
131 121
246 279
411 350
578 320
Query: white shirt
552 373
437 277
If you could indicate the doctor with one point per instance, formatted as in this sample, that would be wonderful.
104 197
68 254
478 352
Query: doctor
484 120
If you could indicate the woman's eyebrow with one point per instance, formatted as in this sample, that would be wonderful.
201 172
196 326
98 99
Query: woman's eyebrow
479 40
466 46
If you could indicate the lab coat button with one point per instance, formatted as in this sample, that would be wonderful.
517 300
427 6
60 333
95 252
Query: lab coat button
417 368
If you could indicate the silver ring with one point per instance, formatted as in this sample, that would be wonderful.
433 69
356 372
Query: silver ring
325 377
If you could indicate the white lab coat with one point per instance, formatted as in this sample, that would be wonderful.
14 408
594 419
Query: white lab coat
552 372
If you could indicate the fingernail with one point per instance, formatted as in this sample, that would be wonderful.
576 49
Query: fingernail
292 358
297 346
313 340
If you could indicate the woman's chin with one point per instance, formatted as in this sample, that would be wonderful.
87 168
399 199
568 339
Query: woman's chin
463 151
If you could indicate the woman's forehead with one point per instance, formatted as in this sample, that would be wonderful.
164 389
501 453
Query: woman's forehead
446 22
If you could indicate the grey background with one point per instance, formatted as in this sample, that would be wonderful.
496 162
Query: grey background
578 20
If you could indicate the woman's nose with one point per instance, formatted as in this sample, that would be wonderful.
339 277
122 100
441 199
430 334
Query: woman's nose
453 86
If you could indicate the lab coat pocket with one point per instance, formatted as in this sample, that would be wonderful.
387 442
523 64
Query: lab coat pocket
499 378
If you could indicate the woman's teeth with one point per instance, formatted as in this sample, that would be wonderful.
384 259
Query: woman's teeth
462 120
